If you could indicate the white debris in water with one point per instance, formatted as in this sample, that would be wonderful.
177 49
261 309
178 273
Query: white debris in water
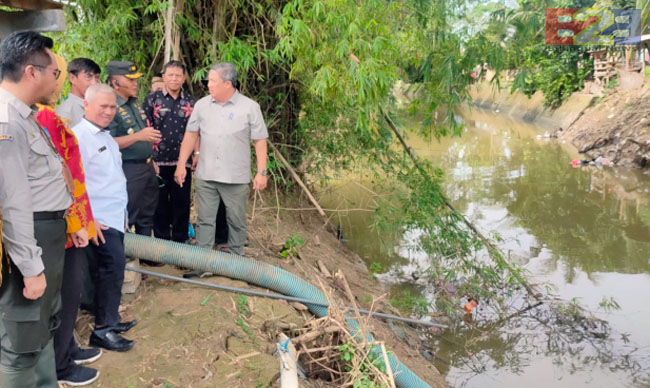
497 111
610 116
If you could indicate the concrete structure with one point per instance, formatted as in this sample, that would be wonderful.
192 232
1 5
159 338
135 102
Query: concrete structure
34 15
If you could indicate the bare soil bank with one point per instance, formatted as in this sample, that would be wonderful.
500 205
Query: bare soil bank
616 128
188 336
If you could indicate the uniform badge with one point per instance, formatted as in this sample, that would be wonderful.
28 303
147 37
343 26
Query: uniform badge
6 138
130 131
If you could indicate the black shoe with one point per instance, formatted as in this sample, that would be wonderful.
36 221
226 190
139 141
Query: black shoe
123 327
151 263
108 339
86 356
78 376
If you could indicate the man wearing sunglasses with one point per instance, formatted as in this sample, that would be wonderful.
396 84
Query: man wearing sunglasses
35 192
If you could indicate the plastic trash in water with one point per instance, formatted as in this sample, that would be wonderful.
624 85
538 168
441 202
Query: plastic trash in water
578 163
600 161
470 305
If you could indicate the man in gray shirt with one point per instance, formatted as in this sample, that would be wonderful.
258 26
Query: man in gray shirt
34 195
227 122
82 73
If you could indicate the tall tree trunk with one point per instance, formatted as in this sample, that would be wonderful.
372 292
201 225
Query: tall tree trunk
169 25
176 33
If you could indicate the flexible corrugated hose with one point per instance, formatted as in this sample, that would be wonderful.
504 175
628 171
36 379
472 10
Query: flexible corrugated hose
253 272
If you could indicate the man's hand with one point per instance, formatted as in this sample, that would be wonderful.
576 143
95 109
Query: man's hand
80 238
180 174
149 134
100 236
259 183
34 286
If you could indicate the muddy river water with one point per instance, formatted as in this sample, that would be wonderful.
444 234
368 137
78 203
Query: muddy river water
585 232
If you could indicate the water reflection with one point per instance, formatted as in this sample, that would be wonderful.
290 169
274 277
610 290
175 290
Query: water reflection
585 231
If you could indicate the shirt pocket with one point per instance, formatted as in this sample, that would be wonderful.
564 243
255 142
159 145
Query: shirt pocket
42 161
238 125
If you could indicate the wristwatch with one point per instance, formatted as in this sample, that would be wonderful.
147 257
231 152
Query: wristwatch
262 172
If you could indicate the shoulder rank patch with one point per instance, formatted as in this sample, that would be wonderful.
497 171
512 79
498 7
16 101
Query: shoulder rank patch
4 112
6 138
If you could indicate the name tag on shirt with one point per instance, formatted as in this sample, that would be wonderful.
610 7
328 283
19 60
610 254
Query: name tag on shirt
102 149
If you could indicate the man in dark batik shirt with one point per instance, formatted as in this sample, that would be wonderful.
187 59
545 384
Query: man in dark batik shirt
168 111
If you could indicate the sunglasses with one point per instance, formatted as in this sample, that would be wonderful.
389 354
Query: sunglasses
57 72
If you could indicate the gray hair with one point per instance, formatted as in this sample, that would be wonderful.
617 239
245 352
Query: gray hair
227 72
96 89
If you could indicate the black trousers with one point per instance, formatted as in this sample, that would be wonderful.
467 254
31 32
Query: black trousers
107 272
71 289
171 221
142 188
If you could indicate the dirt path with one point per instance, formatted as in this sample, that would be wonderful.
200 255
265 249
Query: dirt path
189 336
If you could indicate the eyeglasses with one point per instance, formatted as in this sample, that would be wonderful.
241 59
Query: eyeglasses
57 72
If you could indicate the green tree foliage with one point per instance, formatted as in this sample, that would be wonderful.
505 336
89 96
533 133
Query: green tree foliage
324 72
557 71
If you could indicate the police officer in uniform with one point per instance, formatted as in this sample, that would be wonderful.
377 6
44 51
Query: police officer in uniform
34 196
136 140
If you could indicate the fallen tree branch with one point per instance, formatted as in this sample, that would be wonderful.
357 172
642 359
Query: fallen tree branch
302 185
312 335
491 248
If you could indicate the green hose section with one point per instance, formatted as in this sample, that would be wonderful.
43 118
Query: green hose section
253 272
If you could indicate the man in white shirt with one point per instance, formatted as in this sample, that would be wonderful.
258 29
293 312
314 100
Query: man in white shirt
82 73
106 187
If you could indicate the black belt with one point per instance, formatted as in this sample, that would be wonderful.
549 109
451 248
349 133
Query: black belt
42 216
137 161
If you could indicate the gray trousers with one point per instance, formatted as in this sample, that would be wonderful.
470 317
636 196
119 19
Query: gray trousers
235 197
41 375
